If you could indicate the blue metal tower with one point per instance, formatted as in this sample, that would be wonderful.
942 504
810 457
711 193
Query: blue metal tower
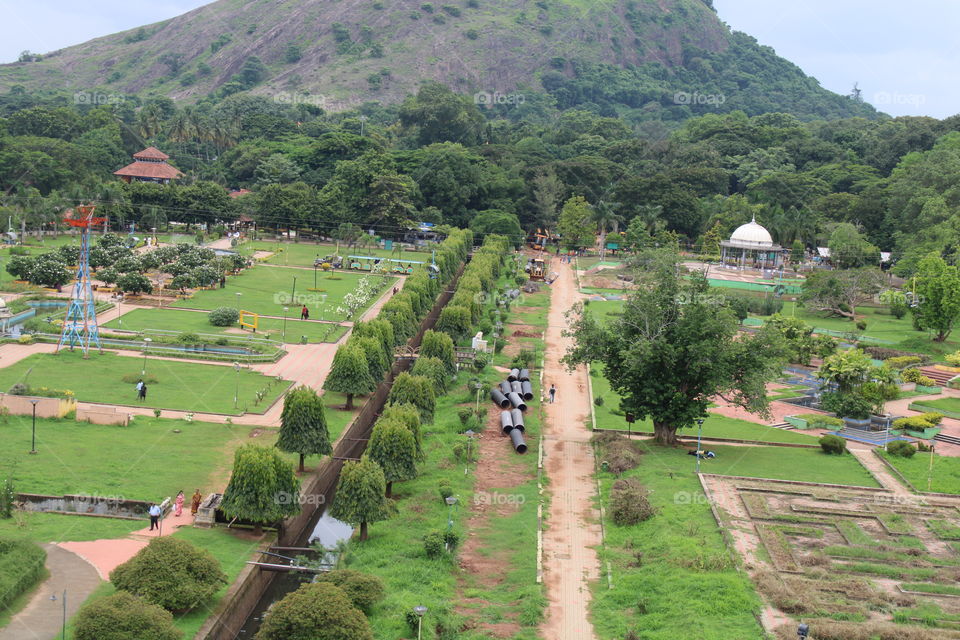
80 323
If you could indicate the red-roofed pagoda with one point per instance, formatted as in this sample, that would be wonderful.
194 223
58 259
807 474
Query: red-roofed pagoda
149 165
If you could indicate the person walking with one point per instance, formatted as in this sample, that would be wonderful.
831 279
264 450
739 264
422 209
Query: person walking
142 391
195 503
154 512
178 510
139 387
304 313
553 393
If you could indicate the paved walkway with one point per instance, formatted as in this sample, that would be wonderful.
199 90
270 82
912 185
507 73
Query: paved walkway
42 618
573 529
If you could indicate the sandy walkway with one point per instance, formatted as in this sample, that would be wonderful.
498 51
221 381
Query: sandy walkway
573 530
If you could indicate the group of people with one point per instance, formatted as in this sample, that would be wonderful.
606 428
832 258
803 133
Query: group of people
141 390
155 512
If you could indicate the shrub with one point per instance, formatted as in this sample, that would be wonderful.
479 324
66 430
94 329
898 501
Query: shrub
189 338
913 375
223 316
171 573
833 444
451 539
901 448
19 389
432 369
437 344
524 359
134 378
953 358
932 417
415 390
364 590
21 566
445 490
472 34
434 545
124 616
320 610
598 401
629 503
924 381
900 362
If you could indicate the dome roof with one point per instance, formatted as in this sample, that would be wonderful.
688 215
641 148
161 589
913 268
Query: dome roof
752 233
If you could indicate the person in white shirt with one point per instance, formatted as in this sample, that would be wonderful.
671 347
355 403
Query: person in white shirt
154 517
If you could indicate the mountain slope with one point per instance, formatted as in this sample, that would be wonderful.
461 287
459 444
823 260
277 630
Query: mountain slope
341 53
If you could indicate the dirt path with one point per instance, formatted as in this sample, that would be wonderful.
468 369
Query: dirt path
573 529
879 470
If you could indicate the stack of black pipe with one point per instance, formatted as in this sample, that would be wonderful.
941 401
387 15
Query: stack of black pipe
510 396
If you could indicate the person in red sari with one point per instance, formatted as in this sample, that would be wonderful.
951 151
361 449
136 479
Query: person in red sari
195 503
179 505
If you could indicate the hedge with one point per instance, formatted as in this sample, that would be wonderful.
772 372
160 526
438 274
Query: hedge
21 567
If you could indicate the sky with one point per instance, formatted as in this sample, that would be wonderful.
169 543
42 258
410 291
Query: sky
902 55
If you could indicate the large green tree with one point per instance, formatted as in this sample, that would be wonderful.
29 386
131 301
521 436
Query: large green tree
937 288
318 611
576 225
674 350
303 425
361 496
263 487
393 447
123 616
839 292
350 373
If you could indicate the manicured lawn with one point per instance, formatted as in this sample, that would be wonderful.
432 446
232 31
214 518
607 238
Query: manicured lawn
785 463
945 471
266 290
716 426
146 461
197 322
303 254
55 527
185 386
947 404
684 565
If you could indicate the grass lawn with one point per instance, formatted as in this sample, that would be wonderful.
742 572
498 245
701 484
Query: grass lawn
145 461
785 463
266 290
185 386
945 473
55 527
303 254
947 404
684 564
197 322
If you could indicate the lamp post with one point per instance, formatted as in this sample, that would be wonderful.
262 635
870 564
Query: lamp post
315 270
146 345
33 436
236 391
451 501
469 433
323 302
930 468
285 309
238 300
419 610
63 622
699 436
478 385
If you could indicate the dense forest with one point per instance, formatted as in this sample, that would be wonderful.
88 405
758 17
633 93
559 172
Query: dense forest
888 184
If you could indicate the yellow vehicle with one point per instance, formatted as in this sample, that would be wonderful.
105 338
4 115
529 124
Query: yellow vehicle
537 268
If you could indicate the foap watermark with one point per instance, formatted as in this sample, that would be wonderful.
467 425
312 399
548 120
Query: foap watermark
495 498
489 100
699 298
94 499
313 99
514 296
308 299
690 497
302 499
696 98
912 99
97 99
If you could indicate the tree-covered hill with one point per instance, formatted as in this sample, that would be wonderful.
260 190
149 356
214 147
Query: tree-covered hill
661 60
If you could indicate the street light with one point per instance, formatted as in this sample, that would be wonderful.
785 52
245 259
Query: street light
238 300
419 610
478 385
63 623
285 309
469 433
236 392
315 270
451 501
699 435
33 437
146 345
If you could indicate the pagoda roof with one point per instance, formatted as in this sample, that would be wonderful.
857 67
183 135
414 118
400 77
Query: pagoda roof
151 153
159 170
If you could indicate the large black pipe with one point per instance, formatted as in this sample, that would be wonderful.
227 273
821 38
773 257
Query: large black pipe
505 387
516 387
516 401
506 421
527 390
524 375
499 398
516 417
516 436
514 373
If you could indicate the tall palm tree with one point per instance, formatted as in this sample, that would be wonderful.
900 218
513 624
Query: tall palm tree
604 215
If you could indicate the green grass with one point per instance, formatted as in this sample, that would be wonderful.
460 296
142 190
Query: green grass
266 290
185 386
927 587
684 564
55 527
947 404
197 322
145 461
303 254
945 472
784 463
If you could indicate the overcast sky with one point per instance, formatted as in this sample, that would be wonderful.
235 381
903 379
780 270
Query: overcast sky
904 55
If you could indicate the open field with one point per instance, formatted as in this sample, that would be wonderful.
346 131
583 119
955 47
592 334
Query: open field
303 254
184 386
197 322
57 527
944 473
266 290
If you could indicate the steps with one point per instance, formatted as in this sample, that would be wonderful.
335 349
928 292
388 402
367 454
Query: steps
939 376
876 438
786 426
942 437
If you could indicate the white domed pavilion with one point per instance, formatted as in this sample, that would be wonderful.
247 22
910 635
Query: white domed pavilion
751 246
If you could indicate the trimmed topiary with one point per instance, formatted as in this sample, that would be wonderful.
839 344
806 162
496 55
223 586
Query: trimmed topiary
124 616
363 589
223 316
833 444
317 611
901 448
